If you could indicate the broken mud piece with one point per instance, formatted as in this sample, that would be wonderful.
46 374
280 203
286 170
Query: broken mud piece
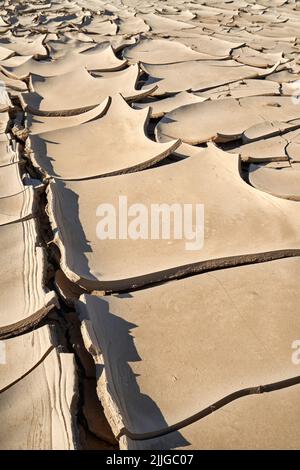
160 51
100 58
41 124
124 334
197 75
76 152
211 177
283 183
225 120
38 396
78 91
160 107
17 207
24 299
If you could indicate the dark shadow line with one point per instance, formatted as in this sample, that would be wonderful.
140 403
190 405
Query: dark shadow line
210 409
152 279
27 372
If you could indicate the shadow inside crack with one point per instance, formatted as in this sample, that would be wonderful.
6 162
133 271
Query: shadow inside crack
139 411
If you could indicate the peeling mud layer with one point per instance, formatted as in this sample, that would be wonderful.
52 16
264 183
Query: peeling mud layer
135 339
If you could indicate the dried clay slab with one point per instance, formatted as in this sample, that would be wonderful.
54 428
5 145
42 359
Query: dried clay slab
241 224
98 26
78 153
293 146
116 42
128 335
248 56
61 47
7 154
60 22
264 150
224 120
268 129
211 45
291 89
131 26
5 29
31 46
242 89
39 409
24 299
101 58
11 83
15 61
20 206
197 75
5 53
278 164
284 182
161 107
293 151
5 102
262 147
4 118
283 76
160 24
160 51
41 124
186 15
75 92
10 180
284 33
257 422
23 353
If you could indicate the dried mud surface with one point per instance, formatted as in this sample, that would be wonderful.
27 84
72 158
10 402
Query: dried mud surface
140 343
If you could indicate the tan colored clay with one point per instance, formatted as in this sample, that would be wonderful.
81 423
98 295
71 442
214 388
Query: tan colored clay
62 153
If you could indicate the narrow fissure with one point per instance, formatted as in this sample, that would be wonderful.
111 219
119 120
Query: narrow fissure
65 319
